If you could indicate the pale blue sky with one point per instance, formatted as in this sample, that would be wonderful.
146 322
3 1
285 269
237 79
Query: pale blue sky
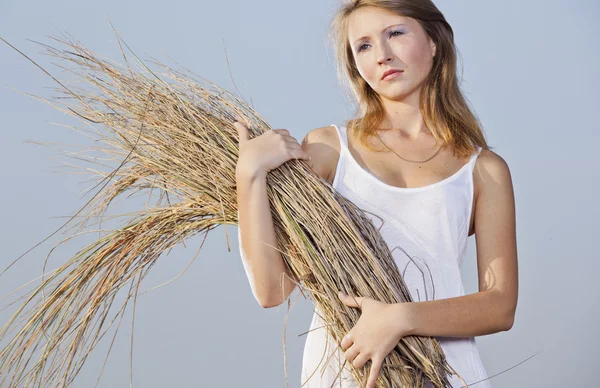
530 71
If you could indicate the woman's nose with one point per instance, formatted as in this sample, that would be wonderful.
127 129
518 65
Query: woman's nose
385 55
384 59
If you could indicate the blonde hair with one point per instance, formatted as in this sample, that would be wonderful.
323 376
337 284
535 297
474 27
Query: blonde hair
444 108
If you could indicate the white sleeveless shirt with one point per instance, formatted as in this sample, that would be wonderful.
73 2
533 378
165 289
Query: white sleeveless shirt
426 229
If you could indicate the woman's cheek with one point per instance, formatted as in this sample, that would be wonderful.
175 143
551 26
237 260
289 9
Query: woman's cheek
368 74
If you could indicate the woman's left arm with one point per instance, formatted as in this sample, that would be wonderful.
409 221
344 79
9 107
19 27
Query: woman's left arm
492 309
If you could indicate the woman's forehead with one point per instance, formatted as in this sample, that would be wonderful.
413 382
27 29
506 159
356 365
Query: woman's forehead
370 20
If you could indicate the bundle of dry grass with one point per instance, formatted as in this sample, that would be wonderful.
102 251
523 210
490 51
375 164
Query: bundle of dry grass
174 134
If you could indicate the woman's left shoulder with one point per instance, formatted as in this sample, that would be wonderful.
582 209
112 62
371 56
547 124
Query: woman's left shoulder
491 161
491 172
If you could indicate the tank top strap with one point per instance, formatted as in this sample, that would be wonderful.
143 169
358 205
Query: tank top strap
474 157
343 135
340 167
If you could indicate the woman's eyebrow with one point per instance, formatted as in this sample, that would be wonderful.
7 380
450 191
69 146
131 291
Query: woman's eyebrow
387 28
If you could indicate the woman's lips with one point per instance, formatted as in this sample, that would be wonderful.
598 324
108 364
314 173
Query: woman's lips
391 76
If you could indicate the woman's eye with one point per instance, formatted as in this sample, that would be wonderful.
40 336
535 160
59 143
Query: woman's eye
360 48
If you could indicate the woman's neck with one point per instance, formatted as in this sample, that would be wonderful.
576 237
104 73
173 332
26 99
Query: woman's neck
405 119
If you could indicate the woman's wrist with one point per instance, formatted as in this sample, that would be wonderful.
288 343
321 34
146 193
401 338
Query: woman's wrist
405 318
249 173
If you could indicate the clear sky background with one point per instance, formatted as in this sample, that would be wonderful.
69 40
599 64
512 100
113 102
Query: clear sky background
530 71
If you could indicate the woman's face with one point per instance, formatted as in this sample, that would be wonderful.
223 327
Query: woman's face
380 41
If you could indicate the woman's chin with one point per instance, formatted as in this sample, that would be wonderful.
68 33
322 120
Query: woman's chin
398 96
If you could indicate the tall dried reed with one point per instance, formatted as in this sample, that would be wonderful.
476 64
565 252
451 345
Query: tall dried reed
173 132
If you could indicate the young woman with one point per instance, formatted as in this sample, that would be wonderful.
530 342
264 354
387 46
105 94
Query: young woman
416 158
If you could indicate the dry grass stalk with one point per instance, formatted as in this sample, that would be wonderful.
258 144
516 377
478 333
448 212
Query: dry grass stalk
174 134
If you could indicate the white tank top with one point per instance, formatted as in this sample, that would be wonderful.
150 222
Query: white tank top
426 229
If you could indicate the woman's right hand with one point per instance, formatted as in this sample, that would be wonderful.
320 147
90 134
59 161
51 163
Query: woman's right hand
267 151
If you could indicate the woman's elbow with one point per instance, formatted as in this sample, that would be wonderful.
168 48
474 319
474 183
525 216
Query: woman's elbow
264 300
268 303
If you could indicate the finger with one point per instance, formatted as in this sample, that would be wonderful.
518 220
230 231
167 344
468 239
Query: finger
291 140
351 353
346 342
298 148
350 300
242 131
242 119
375 369
285 134
360 360
298 153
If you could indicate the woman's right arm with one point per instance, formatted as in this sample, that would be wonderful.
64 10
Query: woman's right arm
263 264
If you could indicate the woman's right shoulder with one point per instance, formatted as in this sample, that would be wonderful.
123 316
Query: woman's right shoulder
323 146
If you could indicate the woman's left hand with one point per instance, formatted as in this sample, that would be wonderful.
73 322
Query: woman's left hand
378 330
